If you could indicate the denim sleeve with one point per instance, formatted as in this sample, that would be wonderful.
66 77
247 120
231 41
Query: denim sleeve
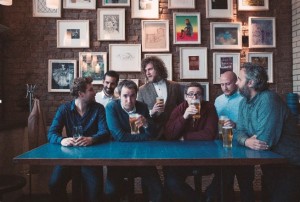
240 133
102 133
55 130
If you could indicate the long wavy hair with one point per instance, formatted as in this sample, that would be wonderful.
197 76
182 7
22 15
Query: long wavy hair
158 65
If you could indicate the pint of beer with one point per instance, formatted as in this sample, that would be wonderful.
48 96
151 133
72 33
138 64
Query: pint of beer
196 103
221 122
132 121
227 135
160 100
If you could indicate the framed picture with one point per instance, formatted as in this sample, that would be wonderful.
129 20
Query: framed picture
262 32
223 62
264 59
155 35
186 28
178 4
111 24
136 81
219 9
250 5
93 64
125 57
147 9
205 86
193 63
80 4
41 10
61 74
73 34
167 59
115 2
225 35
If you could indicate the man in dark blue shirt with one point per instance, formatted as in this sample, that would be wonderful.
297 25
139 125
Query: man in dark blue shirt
85 112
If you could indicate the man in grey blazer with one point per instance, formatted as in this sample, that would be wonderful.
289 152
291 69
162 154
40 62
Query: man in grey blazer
158 86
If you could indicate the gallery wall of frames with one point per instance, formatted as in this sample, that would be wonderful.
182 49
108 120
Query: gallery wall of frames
197 40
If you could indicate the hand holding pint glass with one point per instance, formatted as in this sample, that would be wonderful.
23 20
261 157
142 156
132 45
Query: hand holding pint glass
227 135
133 121
197 104
161 103
77 132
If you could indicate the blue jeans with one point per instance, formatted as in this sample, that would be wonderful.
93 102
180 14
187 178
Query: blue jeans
151 183
92 179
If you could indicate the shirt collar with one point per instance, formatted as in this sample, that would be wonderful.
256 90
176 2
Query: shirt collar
104 96
132 111
161 82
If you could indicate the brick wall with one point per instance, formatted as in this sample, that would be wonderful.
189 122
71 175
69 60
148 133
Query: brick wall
32 41
296 45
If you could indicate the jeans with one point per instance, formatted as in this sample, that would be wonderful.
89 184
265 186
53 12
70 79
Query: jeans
151 183
92 178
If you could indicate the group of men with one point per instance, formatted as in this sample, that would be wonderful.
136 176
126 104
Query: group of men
261 121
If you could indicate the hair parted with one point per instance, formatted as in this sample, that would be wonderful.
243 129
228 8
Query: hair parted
128 84
158 65
79 85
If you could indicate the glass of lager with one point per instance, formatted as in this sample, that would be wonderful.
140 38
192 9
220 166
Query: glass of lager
221 122
132 121
160 100
227 135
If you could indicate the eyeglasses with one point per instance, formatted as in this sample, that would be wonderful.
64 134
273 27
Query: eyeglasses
191 95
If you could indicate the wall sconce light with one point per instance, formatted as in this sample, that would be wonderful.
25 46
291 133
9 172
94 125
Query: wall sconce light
53 4
6 2
245 36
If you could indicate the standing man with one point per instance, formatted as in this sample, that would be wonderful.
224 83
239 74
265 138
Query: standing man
117 114
228 104
158 85
85 112
266 123
110 82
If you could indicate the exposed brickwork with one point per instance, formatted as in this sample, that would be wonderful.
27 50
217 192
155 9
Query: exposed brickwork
296 45
32 41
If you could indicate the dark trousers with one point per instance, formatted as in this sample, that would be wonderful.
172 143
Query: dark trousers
151 183
177 188
281 183
245 177
92 179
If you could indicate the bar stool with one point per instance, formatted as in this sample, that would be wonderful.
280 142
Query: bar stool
9 183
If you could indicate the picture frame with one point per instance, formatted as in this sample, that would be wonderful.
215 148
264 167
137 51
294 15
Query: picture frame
79 4
155 35
249 5
186 28
180 4
226 35
264 59
167 59
125 57
93 64
40 9
146 9
219 9
73 34
114 3
205 86
61 74
225 61
193 62
111 24
262 32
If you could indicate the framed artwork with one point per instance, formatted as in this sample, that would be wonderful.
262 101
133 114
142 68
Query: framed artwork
264 59
223 62
193 63
115 2
111 24
125 57
219 9
178 4
93 64
262 32
73 34
61 74
250 5
167 59
186 28
205 86
226 35
155 35
79 4
41 10
147 9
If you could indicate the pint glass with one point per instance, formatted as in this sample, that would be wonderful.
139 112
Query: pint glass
227 135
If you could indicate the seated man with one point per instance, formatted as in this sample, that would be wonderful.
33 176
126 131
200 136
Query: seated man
182 125
85 112
117 114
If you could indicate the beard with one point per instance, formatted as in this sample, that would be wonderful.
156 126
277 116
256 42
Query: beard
108 91
245 91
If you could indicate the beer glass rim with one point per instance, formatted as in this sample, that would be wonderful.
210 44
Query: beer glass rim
223 117
134 115
227 127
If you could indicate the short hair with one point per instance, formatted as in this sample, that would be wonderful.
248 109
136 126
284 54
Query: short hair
234 77
128 84
112 73
158 65
194 84
79 85
257 74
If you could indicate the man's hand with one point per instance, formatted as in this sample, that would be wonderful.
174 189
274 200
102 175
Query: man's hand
67 142
256 144
141 121
229 122
83 141
158 108
191 110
